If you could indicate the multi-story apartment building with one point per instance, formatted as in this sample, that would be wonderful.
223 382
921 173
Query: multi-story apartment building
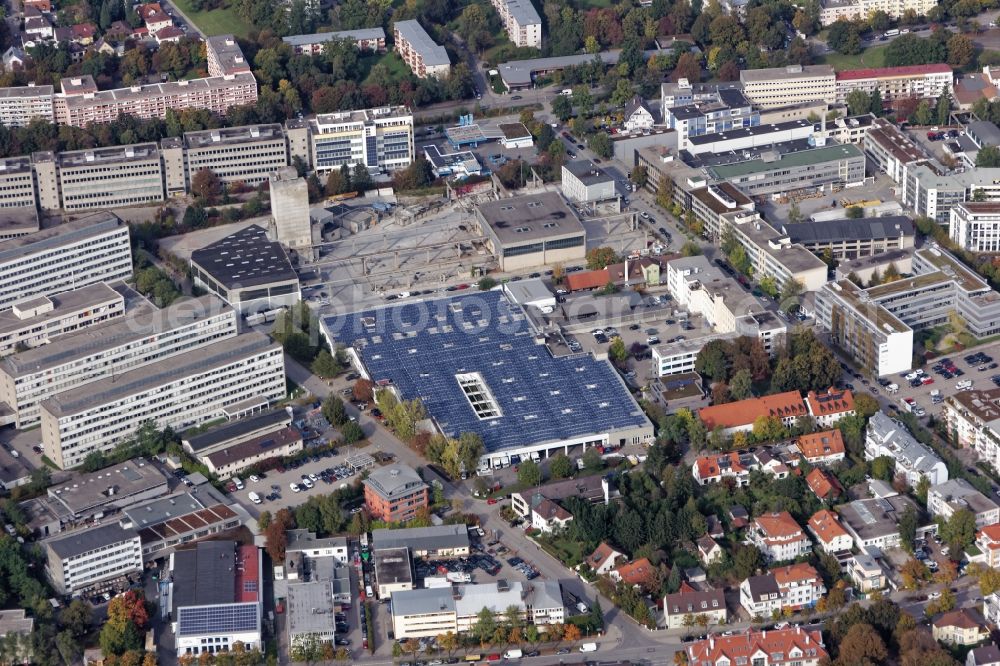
17 183
973 421
781 86
792 587
778 537
20 105
944 499
892 151
829 533
975 225
75 254
100 178
521 21
885 437
683 606
832 11
932 192
790 646
224 56
366 39
81 102
802 169
895 83
775 256
39 320
246 154
988 541
380 139
82 558
423 55
180 391
683 92
109 350
395 493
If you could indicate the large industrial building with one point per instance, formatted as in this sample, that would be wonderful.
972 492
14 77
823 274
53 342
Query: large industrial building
533 230
785 172
474 362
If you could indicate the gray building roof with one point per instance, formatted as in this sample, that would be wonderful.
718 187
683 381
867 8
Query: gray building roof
436 537
897 439
874 518
305 540
983 132
62 304
414 33
14 621
587 172
232 430
319 37
392 566
518 73
745 132
394 480
90 226
523 11
835 231
528 291
425 601
310 608
960 494
83 541
700 601
115 485
246 258
786 73
205 575
546 595
530 218
762 587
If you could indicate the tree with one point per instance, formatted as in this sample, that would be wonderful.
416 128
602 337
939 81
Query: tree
571 632
640 175
879 21
789 296
858 102
617 351
77 617
989 581
922 114
325 366
275 539
768 429
961 51
690 249
713 360
600 257
206 185
352 432
988 156
560 466
862 646
485 626
943 109
486 283
740 261
844 38
959 531
688 67
854 212
592 461
877 106
600 143
908 528
334 411
361 179
264 519
795 213
529 473
741 385
562 107
865 405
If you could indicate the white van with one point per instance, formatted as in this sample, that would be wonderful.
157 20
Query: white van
254 497
963 385
238 482
567 92
513 654
588 647
892 388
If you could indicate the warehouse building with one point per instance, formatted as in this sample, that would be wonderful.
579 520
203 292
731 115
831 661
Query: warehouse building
179 392
94 495
533 230
853 238
75 254
434 542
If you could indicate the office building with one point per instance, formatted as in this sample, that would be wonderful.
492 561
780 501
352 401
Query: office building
893 152
290 208
975 226
81 102
110 350
393 571
679 357
182 519
63 258
248 271
246 154
224 56
781 86
39 320
583 181
423 55
378 139
832 11
84 558
789 646
179 392
17 190
366 39
944 499
773 254
724 110
532 230
94 495
234 446
521 21
749 138
216 597
431 543
802 169
395 494
101 178
853 238
896 83
914 460
701 288
22 104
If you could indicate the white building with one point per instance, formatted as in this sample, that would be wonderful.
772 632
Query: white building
680 608
20 105
975 225
778 537
583 181
944 499
521 21
829 533
82 558
781 86
885 437
894 83
380 139
424 56
851 10
793 587
638 117
973 419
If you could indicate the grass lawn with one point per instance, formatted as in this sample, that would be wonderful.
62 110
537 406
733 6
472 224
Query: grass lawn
216 21
397 68
567 551
873 57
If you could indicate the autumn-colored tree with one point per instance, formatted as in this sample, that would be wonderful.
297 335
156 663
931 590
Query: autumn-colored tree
862 646
914 573
363 390
947 572
206 185
572 632
276 539
555 632
600 257
989 581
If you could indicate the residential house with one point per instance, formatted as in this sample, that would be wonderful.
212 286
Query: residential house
38 27
822 448
779 537
760 596
988 542
641 574
914 460
169 34
549 517
713 468
769 464
866 573
800 585
962 626
156 21
830 534
709 550
637 115
738 517
680 608
790 646
603 559
14 58
828 408
987 655
944 499
739 416
824 484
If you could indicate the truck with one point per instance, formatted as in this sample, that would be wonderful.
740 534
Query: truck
588 647
513 654
458 577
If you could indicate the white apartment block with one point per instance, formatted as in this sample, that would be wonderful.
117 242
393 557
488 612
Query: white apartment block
65 257
834 10
773 255
782 86
17 183
521 21
778 537
100 178
885 437
973 420
111 350
975 225
953 495
894 83
180 392
224 56
423 55
246 154
20 105
39 320
701 288
78 560
365 39
380 139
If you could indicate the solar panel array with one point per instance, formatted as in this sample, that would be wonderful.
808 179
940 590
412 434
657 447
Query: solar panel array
217 620
421 346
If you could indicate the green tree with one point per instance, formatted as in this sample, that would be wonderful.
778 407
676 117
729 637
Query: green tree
560 466
959 531
486 283
943 109
592 461
858 102
617 351
485 626
908 528
334 411
988 157
854 212
690 249
713 360
844 38
600 143
922 114
325 366
876 103
352 432
640 175
741 385
529 473
562 107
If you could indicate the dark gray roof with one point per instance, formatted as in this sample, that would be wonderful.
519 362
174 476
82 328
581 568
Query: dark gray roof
435 537
984 132
245 259
240 428
86 540
762 586
96 224
869 228
205 575
635 104
587 172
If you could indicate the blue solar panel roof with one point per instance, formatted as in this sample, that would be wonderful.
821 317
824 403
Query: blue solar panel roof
217 620
421 346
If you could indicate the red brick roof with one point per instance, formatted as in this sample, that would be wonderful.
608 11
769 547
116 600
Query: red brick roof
826 526
778 525
748 643
963 618
745 412
708 466
587 279
639 572
823 484
830 403
247 580
601 555
821 444
892 72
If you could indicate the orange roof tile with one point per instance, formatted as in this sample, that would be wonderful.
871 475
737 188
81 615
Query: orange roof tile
821 444
587 279
747 643
601 555
826 526
709 467
992 532
963 618
831 402
745 412
639 572
795 573
778 525
823 484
